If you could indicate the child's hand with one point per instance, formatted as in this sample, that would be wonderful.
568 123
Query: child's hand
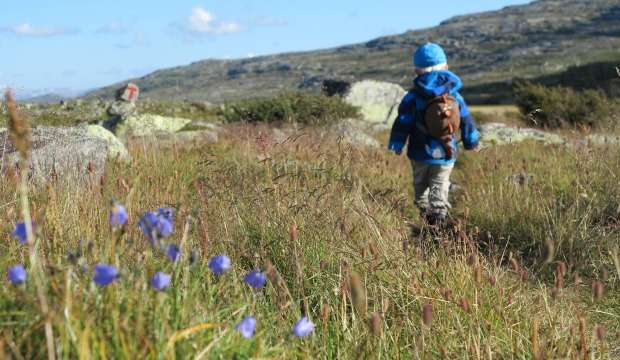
398 152
477 149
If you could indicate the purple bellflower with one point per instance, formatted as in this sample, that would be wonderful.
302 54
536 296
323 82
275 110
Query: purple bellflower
219 264
303 327
17 274
118 215
160 281
105 274
246 327
255 279
19 233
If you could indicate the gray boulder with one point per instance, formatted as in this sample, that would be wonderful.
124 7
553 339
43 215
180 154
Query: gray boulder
378 101
70 154
354 132
189 137
603 139
500 134
147 125
164 130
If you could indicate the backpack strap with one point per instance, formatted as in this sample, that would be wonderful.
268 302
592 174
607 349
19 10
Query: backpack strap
420 107
421 104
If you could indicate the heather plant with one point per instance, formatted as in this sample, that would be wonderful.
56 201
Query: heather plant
251 247
291 107
556 107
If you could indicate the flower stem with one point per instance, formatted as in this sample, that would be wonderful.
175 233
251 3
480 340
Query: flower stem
34 263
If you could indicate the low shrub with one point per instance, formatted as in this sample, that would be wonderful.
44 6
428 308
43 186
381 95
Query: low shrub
555 107
292 107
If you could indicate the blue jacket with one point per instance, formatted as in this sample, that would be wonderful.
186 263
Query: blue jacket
409 124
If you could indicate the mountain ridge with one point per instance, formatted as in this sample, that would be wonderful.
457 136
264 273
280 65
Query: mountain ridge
527 41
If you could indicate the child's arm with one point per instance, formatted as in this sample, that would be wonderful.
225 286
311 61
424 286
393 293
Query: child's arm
403 125
469 133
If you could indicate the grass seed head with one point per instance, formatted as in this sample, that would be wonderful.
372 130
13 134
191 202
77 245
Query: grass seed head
601 332
514 265
583 338
446 293
325 311
385 306
478 275
293 232
464 304
555 293
561 269
376 324
358 293
598 290
472 260
19 128
427 314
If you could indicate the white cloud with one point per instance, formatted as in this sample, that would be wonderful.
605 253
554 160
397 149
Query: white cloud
26 29
115 27
202 21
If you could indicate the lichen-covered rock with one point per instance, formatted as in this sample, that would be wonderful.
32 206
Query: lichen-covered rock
500 134
116 148
191 137
146 125
601 139
354 132
71 154
378 101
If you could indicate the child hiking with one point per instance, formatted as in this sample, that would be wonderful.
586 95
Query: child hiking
429 116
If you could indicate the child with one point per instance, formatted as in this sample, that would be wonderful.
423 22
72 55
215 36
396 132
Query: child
432 158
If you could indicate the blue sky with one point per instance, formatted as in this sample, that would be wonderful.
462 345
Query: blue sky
82 44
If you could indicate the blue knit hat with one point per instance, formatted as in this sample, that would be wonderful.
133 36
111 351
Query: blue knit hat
429 55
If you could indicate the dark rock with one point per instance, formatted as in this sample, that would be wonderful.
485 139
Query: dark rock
333 87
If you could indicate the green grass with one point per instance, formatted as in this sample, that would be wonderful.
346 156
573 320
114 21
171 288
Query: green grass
353 212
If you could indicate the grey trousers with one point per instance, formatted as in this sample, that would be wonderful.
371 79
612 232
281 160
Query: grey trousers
431 184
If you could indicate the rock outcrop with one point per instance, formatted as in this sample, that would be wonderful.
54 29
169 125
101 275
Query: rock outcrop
500 134
355 132
378 101
145 125
71 154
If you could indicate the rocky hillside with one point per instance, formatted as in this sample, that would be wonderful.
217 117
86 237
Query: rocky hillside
541 38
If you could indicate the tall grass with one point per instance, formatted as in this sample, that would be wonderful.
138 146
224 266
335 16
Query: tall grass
332 226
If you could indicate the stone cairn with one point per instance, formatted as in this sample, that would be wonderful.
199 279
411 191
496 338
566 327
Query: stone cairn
125 103
123 106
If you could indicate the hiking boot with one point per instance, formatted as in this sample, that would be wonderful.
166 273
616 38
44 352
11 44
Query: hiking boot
436 220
